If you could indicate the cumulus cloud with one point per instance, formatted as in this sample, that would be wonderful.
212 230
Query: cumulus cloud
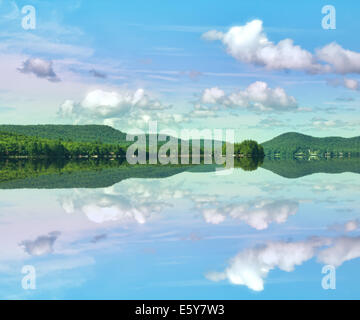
113 108
117 212
212 95
250 44
40 68
41 245
341 60
213 216
258 215
130 202
344 249
257 96
251 266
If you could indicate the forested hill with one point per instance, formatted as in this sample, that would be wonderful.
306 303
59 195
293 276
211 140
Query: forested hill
76 133
292 144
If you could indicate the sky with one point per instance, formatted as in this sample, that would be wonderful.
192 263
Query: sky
257 67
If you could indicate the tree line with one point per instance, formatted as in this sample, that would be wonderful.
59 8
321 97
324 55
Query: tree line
15 145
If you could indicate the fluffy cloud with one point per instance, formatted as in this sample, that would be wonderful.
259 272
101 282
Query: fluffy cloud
41 245
117 108
344 249
260 215
212 95
257 96
213 216
250 44
108 205
117 212
251 266
129 202
40 68
342 61
257 215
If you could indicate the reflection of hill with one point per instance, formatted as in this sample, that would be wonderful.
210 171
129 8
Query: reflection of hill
248 164
299 168
82 174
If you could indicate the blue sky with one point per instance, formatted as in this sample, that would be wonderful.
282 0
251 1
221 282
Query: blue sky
125 63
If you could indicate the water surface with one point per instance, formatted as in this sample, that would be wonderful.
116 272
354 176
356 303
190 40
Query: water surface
117 232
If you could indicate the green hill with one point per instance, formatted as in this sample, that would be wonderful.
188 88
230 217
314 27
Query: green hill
296 144
66 134
76 133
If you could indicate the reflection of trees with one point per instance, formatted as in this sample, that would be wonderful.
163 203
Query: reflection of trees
248 164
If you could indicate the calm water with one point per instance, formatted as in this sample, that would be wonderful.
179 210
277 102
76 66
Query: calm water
187 235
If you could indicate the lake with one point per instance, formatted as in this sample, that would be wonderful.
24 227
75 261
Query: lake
109 231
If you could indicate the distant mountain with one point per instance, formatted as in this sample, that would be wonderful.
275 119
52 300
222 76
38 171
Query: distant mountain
76 133
293 143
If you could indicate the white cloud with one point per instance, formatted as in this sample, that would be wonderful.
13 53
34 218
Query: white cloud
212 95
213 216
249 44
344 249
257 96
257 215
133 108
122 214
212 35
351 84
260 215
41 68
251 266
131 201
41 245
341 60
67 109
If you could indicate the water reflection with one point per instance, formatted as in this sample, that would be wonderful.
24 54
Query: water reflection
251 266
144 230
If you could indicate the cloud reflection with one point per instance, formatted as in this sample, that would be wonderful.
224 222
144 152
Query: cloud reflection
41 245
